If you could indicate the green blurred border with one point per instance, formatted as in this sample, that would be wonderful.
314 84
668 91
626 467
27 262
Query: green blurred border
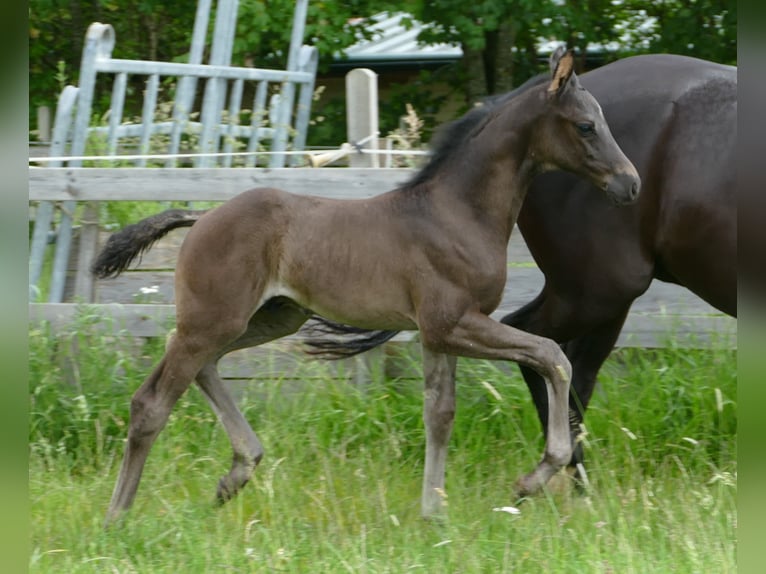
752 311
14 518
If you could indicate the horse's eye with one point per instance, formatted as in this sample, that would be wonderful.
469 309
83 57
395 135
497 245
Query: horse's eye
585 128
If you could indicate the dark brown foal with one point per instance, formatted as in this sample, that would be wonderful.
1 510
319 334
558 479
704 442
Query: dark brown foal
430 255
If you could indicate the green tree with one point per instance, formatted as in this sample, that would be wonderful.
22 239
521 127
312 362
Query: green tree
498 39
701 28
145 29
264 28
590 23
157 30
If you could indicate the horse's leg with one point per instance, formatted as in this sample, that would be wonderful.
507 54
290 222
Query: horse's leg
246 447
438 416
586 353
476 335
276 318
149 411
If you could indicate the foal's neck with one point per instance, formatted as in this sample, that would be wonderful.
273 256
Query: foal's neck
494 169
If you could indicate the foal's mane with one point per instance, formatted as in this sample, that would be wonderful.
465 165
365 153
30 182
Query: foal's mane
450 137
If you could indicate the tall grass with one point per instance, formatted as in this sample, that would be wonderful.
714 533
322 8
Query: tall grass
338 490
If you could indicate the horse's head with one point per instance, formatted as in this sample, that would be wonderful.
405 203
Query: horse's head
573 135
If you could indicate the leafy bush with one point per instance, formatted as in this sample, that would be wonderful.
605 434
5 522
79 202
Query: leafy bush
81 381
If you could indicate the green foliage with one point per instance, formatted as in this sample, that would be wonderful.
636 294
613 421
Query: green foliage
265 29
703 28
498 38
153 30
327 126
426 102
79 382
145 29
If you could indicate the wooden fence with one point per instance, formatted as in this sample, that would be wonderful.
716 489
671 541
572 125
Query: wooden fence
666 314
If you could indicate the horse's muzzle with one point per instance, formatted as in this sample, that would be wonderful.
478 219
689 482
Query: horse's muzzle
623 188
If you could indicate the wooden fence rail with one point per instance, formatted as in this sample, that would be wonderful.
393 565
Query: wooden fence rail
204 184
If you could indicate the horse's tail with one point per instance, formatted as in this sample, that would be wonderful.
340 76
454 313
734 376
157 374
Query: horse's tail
330 340
131 242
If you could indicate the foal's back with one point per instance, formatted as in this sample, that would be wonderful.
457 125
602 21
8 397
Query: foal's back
324 254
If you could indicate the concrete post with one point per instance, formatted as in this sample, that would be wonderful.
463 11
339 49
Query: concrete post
362 115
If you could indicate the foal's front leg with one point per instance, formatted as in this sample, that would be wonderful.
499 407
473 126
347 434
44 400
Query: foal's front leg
476 335
438 416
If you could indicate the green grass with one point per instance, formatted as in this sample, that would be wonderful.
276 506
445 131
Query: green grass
339 488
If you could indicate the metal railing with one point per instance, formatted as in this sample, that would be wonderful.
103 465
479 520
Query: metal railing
283 120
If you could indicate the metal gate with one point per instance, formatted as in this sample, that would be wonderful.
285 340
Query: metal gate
217 134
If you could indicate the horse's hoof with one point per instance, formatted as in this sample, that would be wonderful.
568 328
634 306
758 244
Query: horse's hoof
223 493
525 486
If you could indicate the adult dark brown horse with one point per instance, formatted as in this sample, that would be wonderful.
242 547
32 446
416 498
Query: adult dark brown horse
676 119
430 255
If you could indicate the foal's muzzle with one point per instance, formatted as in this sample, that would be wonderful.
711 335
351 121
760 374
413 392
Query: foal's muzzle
623 188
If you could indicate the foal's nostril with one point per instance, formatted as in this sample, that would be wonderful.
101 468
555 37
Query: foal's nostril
624 188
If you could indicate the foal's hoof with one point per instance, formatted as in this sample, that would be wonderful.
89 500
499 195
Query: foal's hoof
224 492
526 486
113 519
438 518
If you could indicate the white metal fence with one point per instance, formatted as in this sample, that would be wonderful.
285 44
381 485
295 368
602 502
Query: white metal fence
279 113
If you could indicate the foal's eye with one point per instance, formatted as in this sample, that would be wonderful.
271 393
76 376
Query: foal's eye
585 128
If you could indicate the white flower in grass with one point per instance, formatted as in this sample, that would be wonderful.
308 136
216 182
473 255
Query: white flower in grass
508 509
252 554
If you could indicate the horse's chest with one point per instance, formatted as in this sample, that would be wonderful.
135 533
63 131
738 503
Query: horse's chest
484 278
488 289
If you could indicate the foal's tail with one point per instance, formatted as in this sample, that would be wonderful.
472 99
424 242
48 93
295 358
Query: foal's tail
127 244
330 340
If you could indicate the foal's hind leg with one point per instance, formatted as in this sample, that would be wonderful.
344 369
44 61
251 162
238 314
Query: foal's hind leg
276 318
246 447
438 416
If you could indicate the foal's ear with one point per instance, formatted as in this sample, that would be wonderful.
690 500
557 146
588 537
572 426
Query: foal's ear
562 68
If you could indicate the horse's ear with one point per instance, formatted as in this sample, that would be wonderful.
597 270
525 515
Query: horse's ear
562 68
553 61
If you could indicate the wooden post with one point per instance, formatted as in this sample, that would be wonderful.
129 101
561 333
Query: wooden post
362 115
85 284
44 124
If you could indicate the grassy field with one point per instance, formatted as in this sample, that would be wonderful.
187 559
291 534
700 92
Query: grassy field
338 490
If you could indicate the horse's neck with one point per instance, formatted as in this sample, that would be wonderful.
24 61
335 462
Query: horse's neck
493 175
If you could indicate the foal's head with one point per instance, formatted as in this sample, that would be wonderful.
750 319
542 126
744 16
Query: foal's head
573 135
